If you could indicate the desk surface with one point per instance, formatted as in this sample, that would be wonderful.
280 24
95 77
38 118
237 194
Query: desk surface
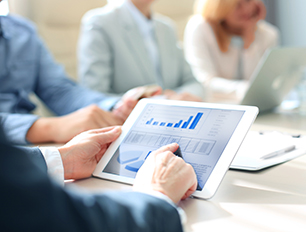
271 200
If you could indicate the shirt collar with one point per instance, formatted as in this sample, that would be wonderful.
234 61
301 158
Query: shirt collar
145 25
237 41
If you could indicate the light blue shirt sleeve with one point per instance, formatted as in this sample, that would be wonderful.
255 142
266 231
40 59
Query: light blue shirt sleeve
16 126
27 67
61 94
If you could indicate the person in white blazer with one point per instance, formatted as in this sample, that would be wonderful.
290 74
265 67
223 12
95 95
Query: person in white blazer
224 41
122 47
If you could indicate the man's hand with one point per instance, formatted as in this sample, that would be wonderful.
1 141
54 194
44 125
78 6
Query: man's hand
171 95
62 129
123 108
129 100
81 155
166 173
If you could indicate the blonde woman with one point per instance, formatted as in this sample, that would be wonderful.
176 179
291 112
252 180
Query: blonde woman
224 42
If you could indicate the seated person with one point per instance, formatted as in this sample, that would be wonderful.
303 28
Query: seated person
122 47
224 42
27 67
31 201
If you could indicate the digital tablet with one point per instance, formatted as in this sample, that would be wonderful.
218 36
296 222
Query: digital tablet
209 136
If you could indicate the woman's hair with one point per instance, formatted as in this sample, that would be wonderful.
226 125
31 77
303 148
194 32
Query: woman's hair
214 12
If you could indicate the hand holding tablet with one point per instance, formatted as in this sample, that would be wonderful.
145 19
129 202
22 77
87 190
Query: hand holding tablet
145 91
209 136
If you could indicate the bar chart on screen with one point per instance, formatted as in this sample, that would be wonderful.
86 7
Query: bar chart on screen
172 118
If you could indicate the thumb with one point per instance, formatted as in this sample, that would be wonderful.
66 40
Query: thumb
131 103
158 91
108 136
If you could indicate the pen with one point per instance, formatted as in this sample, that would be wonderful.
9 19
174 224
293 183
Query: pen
292 135
278 153
178 153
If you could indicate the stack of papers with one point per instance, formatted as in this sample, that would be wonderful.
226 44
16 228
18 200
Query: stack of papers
262 150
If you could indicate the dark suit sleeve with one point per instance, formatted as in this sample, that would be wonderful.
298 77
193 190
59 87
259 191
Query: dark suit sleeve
30 201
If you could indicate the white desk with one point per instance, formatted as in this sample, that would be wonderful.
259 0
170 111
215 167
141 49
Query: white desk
270 200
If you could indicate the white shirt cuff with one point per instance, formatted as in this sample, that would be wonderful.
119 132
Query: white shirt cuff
54 163
180 211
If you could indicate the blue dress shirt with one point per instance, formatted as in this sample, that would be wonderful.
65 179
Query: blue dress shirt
26 66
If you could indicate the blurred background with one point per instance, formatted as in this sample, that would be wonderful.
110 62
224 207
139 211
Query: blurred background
290 18
59 20
288 15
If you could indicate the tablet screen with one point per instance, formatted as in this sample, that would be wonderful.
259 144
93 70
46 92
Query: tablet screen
202 134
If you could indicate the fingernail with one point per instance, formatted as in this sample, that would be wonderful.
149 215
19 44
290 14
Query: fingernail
117 129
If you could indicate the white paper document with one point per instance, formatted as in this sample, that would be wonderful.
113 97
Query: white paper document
259 151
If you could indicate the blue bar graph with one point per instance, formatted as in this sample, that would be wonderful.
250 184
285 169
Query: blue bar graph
177 125
149 122
190 124
195 121
185 125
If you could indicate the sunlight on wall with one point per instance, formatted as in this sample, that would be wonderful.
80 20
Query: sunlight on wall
4 10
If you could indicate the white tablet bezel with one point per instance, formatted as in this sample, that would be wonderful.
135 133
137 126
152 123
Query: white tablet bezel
222 165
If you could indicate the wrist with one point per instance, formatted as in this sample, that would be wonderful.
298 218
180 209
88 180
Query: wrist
41 131
67 164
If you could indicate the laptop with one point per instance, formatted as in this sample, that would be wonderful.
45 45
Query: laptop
279 70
